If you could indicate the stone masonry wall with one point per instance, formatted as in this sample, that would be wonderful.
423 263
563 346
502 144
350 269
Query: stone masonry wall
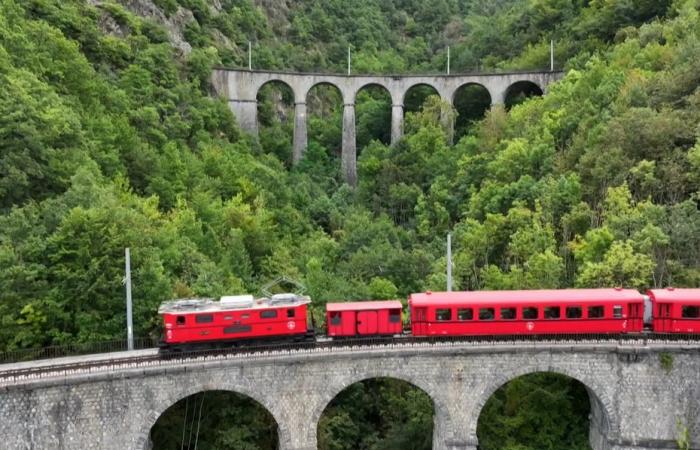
636 403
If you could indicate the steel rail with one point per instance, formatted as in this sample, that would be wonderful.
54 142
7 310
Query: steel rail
257 352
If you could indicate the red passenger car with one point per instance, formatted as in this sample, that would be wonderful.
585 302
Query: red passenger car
526 312
234 318
364 318
675 310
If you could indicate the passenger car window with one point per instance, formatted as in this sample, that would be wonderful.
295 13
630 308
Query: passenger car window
690 312
595 312
443 314
269 314
508 313
574 312
203 318
335 318
394 315
465 314
486 314
617 312
530 312
552 312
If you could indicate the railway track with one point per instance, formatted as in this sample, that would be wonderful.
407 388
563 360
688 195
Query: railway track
11 374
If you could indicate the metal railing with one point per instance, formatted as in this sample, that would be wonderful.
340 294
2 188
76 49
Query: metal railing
76 349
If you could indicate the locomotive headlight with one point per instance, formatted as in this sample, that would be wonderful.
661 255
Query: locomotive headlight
169 333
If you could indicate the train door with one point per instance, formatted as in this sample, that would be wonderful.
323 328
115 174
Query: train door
664 318
420 325
635 317
367 323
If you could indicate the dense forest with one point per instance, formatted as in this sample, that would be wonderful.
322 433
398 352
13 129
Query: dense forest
110 138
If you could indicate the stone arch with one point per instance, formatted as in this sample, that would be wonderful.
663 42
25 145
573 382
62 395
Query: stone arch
471 101
383 134
343 94
414 86
332 391
273 81
526 87
172 396
597 394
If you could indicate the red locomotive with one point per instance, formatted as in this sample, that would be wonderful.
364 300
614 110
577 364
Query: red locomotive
234 320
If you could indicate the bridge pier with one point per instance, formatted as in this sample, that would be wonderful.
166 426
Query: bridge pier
349 150
246 112
300 133
396 122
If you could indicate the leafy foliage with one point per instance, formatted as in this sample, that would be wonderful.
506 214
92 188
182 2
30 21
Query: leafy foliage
109 139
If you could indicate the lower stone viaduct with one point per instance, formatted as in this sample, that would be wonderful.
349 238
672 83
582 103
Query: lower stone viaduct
240 88
637 403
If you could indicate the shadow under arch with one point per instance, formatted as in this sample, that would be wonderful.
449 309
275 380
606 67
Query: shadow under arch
332 392
520 91
603 420
324 103
287 94
373 105
163 404
471 101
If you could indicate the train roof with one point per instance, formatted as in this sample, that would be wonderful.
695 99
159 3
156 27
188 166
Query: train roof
672 295
525 297
231 303
363 306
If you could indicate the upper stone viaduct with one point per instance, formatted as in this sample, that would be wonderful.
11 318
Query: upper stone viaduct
636 403
240 88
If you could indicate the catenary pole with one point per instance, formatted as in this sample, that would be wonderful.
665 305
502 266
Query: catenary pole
448 60
129 318
250 56
551 55
348 60
449 262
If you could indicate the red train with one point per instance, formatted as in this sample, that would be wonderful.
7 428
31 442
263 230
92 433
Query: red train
235 320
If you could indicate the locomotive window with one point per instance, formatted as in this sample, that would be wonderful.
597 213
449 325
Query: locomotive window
595 312
290 313
690 312
530 312
574 312
180 320
617 312
204 318
551 312
507 313
335 318
486 314
395 316
465 314
269 314
443 314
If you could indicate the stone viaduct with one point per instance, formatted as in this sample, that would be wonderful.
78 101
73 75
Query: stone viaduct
636 404
240 88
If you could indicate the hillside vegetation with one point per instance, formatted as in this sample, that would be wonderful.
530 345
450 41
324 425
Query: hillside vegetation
109 138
